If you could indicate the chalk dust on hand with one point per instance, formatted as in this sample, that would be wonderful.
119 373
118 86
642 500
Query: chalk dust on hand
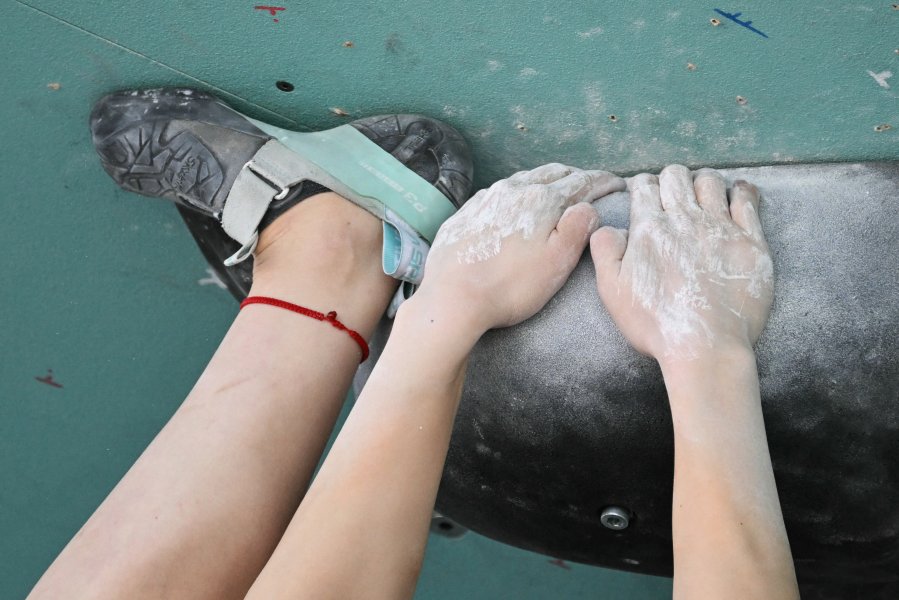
682 264
526 204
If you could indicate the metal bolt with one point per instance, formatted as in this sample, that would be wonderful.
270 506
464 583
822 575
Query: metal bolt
615 517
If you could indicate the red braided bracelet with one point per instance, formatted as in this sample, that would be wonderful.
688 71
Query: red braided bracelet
331 317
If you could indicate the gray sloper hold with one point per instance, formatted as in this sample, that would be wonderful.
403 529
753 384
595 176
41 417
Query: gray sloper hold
560 418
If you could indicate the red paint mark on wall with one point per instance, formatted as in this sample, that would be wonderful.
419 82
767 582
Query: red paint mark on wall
558 562
272 10
48 379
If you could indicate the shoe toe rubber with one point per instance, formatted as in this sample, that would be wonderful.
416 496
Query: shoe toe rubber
431 148
174 143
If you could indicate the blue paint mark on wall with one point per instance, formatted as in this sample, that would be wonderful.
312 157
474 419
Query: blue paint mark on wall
734 17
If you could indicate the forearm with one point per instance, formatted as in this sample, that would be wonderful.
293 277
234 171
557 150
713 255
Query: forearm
729 536
362 527
204 506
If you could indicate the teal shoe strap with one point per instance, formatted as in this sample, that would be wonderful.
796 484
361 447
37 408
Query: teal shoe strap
361 171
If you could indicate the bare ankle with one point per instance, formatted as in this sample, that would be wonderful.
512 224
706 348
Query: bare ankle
325 250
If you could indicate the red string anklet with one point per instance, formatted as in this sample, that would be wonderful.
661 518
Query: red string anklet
330 318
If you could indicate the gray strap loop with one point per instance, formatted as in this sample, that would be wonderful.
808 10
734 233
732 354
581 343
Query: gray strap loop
268 175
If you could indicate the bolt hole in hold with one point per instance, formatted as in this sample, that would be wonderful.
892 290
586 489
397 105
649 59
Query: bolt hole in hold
715 22
741 100
520 127
615 518
613 118
883 127
284 86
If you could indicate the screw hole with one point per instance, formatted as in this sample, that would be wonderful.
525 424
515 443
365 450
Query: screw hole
715 22
741 100
284 86
613 118
520 127
884 127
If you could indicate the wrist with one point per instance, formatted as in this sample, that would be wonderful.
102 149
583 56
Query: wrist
706 360
448 313
709 372
435 324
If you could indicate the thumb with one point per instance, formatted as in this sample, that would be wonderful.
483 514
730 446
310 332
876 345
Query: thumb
607 247
572 232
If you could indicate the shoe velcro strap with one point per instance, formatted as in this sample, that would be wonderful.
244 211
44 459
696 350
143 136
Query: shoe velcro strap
266 176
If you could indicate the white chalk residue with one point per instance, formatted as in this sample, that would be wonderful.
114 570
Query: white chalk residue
484 222
212 279
584 35
528 72
526 204
881 78
453 111
672 276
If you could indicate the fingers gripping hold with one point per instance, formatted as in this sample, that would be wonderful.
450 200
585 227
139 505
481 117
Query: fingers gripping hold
573 231
586 186
645 201
692 275
744 205
576 225
537 223
607 247
676 189
523 207
711 192
542 174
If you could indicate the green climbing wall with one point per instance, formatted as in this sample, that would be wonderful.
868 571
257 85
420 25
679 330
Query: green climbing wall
107 290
